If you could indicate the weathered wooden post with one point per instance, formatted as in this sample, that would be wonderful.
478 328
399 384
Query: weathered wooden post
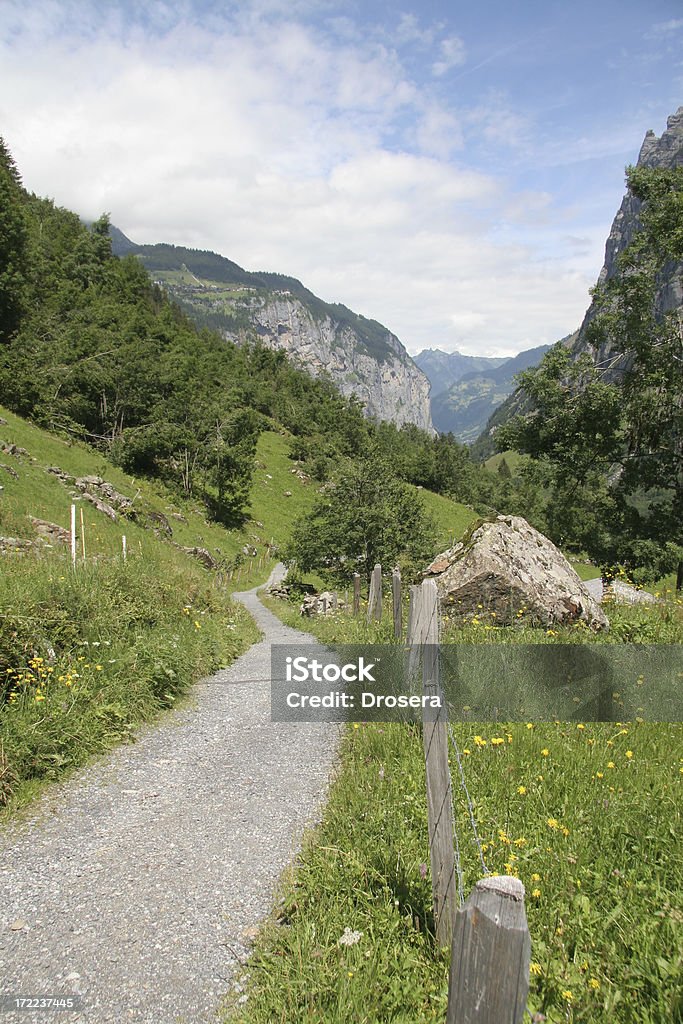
323 602
356 593
335 601
396 602
489 977
439 794
375 595
346 600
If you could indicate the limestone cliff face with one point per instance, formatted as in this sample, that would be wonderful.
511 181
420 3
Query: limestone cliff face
665 152
382 375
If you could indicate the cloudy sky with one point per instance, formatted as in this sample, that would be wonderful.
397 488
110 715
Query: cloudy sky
450 169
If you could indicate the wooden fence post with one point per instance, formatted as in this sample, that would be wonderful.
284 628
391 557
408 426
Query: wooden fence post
491 951
335 601
439 794
375 596
356 593
396 602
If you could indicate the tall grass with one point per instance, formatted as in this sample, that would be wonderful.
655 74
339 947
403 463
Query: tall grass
88 654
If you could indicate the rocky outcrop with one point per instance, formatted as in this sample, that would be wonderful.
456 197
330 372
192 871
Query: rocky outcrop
387 382
51 533
664 152
201 554
326 603
506 571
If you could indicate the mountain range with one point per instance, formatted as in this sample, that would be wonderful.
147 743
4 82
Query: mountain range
360 356
467 389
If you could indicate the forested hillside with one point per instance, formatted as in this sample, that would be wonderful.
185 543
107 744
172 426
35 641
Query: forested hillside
89 346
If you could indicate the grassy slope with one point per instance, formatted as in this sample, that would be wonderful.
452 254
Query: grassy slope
42 495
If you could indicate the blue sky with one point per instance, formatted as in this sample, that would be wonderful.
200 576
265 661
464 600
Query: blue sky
451 170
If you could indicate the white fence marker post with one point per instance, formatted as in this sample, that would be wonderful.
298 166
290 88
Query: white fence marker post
73 536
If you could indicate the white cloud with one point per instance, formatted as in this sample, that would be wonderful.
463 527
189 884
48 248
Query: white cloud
294 151
452 54
663 28
409 30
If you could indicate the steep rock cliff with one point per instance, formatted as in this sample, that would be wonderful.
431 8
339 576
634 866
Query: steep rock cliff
387 382
360 356
665 151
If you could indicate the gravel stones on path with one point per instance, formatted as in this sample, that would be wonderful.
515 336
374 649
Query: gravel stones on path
138 883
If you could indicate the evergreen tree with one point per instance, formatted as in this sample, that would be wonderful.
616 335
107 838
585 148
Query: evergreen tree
13 246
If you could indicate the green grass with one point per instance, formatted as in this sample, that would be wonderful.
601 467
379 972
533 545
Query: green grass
160 619
588 815
43 495
597 847
513 459
584 570
451 518
87 655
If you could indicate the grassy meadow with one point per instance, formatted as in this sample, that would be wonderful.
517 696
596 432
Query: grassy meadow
587 815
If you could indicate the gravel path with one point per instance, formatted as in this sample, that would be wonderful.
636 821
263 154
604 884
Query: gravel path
139 882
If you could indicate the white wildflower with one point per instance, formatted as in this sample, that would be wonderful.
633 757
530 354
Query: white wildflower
350 938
